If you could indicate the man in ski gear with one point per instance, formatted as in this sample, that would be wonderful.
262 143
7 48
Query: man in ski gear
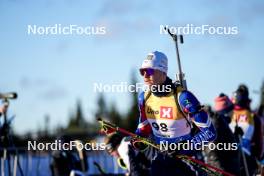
242 117
247 126
167 114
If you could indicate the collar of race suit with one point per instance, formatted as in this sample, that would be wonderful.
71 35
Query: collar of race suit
160 92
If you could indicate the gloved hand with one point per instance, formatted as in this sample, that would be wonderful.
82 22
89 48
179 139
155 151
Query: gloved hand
131 152
151 153
238 131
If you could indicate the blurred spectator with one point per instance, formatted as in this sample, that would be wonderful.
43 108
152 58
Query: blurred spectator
3 109
65 161
227 160
247 126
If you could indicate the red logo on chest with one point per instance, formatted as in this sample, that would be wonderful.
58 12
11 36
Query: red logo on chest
166 112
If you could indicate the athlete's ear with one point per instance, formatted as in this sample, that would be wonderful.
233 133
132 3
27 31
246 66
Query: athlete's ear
164 74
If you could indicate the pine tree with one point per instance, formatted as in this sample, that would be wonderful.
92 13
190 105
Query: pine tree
133 113
47 123
102 109
77 121
114 115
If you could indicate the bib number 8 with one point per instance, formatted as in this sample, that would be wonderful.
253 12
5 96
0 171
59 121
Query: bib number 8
162 126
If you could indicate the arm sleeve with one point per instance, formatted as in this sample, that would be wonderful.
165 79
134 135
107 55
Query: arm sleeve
144 128
192 107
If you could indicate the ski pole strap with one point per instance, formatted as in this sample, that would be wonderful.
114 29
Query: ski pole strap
208 168
106 128
109 128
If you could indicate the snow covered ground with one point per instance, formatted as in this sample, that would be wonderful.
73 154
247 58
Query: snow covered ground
33 165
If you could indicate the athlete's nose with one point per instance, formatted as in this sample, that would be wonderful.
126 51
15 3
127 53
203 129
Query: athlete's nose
146 75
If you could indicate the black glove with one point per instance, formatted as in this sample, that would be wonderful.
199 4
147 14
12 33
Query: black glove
131 152
238 131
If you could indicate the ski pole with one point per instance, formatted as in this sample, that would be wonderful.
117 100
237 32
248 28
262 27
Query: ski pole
206 165
113 128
